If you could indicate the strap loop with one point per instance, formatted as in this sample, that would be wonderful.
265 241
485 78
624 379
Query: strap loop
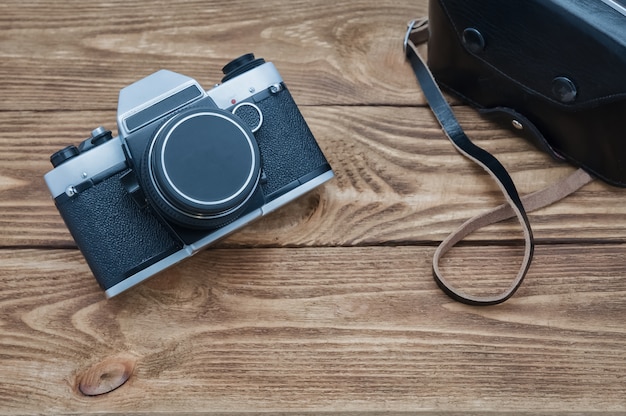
418 33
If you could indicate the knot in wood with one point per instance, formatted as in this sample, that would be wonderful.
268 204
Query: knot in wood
106 376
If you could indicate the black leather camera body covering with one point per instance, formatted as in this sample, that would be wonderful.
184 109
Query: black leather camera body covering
553 70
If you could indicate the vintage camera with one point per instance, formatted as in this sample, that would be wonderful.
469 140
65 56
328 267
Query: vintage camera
188 167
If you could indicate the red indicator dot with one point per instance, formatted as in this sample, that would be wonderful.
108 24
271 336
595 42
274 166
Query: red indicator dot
233 101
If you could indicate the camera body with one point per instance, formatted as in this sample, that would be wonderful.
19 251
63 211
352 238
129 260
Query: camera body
187 168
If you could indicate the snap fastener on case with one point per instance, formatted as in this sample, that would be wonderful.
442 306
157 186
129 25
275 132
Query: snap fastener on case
473 40
564 89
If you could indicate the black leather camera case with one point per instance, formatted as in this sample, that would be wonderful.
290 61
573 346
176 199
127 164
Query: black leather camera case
551 69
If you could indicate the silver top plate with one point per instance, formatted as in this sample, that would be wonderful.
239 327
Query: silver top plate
244 86
149 92
85 166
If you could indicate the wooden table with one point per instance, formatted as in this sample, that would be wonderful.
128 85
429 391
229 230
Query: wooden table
328 305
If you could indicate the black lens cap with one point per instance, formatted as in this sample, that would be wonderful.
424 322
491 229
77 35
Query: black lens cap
205 165
240 65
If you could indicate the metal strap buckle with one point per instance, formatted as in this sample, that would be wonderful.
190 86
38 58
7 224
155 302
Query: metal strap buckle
409 29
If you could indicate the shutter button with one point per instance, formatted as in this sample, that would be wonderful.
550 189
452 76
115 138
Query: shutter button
564 89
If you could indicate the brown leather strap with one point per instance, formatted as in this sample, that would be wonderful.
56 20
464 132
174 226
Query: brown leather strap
515 206
534 201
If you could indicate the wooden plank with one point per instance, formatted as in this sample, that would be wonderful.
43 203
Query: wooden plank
328 305
318 330
398 180
78 55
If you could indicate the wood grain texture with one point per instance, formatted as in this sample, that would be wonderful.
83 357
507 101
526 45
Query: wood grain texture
397 181
323 49
327 305
317 329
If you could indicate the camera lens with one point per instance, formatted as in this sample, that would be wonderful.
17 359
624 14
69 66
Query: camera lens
203 167
240 65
